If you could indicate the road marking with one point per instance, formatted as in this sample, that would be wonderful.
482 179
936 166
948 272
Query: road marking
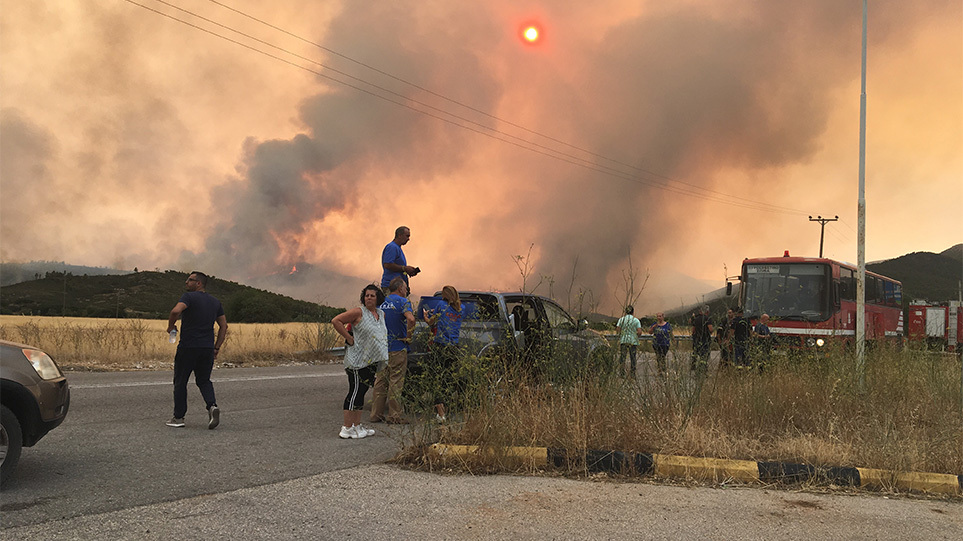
214 380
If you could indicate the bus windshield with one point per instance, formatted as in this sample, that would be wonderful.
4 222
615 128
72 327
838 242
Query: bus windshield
792 291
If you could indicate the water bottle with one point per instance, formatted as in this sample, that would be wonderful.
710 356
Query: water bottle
173 337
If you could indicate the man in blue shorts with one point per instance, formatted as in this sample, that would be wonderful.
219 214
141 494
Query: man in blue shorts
198 312
393 260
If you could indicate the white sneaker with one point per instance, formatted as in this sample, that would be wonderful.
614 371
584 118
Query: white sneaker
364 431
348 433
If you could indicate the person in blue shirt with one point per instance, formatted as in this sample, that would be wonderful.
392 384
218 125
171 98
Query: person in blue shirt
197 349
661 332
393 260
390 381
446 322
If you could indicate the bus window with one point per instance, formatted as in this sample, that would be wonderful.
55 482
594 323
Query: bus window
847 284
874 290
892 294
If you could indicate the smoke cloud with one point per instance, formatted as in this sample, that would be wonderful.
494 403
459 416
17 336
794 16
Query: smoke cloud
194 152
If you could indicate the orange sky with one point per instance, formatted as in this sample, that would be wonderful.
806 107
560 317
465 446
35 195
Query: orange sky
129 139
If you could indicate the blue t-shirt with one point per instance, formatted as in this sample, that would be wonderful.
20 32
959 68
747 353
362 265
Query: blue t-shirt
395 307
197 320
392 254
448 325
661 334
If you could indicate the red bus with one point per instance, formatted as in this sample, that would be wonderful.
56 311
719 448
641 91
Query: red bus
813 300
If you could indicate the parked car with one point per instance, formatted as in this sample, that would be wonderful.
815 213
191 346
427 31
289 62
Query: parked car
35 399
532 327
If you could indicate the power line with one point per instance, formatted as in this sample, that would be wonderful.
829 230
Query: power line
489 115
685 188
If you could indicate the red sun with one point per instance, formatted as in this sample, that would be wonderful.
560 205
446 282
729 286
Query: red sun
530 33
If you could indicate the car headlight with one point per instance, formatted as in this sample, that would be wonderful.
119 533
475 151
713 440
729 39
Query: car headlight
810 342
820 342
42 363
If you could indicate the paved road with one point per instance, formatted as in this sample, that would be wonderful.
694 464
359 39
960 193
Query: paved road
114 451
276 469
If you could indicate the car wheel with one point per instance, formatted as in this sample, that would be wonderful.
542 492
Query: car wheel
11 439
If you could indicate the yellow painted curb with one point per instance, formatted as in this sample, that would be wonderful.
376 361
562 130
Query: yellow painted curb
941 483
535 455
716 469
719 469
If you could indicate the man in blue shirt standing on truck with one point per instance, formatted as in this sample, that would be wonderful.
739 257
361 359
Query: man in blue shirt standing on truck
393 260
198 312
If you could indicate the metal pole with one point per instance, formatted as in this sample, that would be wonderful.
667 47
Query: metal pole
861 218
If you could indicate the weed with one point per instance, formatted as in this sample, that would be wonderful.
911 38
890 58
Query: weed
797 409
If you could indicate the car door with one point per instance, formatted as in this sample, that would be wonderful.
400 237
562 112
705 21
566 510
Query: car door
526 320
562 329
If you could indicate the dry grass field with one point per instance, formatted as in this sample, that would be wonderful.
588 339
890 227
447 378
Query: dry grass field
905 418
141 344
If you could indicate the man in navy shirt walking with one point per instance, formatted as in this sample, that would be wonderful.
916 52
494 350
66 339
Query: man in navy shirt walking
198 348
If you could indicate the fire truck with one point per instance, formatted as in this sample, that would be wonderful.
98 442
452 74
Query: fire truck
939 325
812 301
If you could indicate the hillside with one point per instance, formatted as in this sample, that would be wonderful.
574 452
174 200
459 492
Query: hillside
955 252
925 275
14 273
149 295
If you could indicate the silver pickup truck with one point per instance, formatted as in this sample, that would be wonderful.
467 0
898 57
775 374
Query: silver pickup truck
522 324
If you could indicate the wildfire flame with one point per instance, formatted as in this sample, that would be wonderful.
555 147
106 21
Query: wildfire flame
294 269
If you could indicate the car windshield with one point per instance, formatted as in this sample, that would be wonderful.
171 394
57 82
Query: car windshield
793 291
558 320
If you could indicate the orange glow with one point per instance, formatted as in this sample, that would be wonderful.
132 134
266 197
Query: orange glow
530 33
294 269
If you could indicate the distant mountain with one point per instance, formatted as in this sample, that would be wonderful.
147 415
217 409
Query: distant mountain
149 295
955 252
925 275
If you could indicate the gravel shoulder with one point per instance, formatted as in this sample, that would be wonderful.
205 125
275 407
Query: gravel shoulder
388 502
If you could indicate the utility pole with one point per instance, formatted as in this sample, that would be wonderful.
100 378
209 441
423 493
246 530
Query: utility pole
822 229
861 234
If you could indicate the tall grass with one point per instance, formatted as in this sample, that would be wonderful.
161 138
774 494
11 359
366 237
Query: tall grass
141 344
798 409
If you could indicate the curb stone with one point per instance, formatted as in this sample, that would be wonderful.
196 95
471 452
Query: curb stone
719 470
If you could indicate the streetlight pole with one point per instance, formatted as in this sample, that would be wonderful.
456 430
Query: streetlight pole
861 234
822 229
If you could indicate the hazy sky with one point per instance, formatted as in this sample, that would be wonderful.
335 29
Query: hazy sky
685 135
